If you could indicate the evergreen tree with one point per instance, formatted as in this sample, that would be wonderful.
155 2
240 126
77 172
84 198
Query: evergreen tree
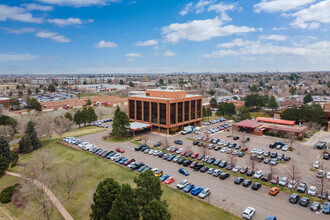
20 93
308 98
31 131
37 91
116 112
25 145
272 104
89 102
125 206
103 198
51 88
209 112
84 116
91 115
213 103
4 148
4 164
34 104
120 125
68 116
77 118
254 101
29 92
148 187
242 114
131 84
156 209
204 112
121 82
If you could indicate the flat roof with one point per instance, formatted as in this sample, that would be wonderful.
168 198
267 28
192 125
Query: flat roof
138 126
152 97
276 121
248 124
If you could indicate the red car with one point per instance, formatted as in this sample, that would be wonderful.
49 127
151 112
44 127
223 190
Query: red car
129 161
183 153
120 150
195 155
244 170
174 149
169 180
244 149
192 165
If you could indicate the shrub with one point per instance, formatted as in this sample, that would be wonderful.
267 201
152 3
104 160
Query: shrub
300 138
15 158
290 148
7 193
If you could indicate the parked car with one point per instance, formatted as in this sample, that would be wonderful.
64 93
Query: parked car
256 185
258 174
274 191
315 206
138 138
294 198
188 163
169 180
188 187
183 171
316 164
235 138
204 193
224 175
304 201
302 187
178 142
248 213
195 191
292 184
274 179
247 183
216 173
323 194
238 180
320 173
326 208
266 177
312 191
182 184
120 150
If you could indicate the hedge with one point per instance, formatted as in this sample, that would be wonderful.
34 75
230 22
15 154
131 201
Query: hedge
7 193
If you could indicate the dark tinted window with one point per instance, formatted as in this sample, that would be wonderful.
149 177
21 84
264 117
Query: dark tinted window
138 110
180 104
173 113
193 108
146 111
131 109
162 109
186 111
199 103
154 112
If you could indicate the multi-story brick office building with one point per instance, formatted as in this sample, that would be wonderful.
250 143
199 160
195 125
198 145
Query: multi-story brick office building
165 110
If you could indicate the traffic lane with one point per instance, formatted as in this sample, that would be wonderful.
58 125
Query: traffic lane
225 193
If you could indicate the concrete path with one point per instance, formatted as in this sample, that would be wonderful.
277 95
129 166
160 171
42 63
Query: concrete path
6 214
66 215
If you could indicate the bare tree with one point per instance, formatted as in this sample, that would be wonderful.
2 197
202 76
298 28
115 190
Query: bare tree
293 171
253 162
321 183
204 150
145 139
165 143
62 125
272 170
67 177
232 159
45 127
292 137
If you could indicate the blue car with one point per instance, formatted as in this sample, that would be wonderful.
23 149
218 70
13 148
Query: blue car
188 188
164 177
123 160
271 217
195 191
326 208
184 171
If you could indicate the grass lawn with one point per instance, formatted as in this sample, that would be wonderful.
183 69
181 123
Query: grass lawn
82 131
136 142
96 169
191 139
115 140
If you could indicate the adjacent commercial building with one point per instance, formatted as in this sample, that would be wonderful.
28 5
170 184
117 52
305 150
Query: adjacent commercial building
166 110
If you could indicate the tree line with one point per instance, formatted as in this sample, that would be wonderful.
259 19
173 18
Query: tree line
121 202
305 113
87 115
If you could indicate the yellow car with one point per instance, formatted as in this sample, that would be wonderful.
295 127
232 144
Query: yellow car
159 173
138 138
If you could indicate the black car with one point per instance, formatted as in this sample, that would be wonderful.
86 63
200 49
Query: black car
161 154
157 144
204 169
211 160
304 201
287 158
266 161
195 142
198 166
247 183
222 164
326 156
178 142
136 166
139 147
187 163
315 206
171 157
238 180
273 155
294 198
235 138
250 173
217 148
266 154
224 175
180 160
241 154
260 158
256 186
272 145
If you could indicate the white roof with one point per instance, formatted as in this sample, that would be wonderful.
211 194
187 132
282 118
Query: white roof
138 125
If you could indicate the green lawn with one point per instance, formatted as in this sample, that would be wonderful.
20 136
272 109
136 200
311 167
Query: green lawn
96 169
82 131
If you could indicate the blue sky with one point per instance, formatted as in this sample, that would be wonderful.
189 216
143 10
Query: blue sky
163 36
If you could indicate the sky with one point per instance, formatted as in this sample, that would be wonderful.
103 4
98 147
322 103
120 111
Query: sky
163 36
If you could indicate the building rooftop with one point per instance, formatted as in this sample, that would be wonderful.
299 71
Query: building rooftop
166 94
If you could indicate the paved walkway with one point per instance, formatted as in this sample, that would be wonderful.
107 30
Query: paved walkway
66 215
6 214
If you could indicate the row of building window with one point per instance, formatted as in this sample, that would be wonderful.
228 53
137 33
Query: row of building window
180 116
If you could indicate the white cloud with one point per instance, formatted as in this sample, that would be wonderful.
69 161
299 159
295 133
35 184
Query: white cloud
235 43
19 31
53 36
312 17
17 14
169 53
78 3
315 52
273 37
200 30
36 7
146 43
222 8
200 6
16 57
65 22
103 44
186 9
133 55
280 5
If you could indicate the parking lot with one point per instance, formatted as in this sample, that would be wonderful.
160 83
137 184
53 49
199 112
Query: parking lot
224 193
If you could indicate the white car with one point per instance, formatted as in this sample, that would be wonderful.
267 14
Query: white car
260 151
156 152
216 172
182 184
228 151
320 173
285 148
205 192
254 150
258 174
328 175
224 150
179 151
115 156
151 152
236 169
248 213
235 152
210 171
316 164
283 181
312 191
292 184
